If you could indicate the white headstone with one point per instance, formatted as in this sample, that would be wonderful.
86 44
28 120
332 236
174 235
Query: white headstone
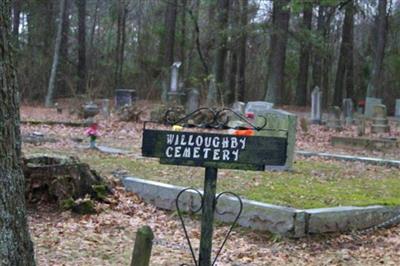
316 95
174 76
370 102
397 112
238 107
348 110
258 108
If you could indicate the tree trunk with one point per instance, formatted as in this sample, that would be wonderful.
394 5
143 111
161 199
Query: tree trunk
231 89
380 34
16 247
217 90
344 74
120 47
278 42
302 79
63 73
242 51
82 71
16 20
52 79
183 38
167 46
317 64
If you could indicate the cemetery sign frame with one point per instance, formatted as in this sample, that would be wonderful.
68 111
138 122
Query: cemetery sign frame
212 151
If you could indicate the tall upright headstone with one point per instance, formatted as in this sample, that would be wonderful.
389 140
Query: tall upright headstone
348 110
370 102
316 96
174 95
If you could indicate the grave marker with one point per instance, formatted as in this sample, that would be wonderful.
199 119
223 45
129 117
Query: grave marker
124 97
370 102
397 111
380 123
316 96
192 101
348 111
334 118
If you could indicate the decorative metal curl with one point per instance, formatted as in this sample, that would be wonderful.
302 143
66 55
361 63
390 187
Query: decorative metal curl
181 218
216 210
234 222
219 119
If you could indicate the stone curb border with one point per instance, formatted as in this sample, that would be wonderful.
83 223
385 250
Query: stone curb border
280 220
339 157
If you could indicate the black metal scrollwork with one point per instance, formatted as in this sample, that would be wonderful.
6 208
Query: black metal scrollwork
216 210
209 118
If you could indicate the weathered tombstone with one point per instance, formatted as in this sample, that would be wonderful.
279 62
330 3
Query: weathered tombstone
192 100
334 118
124 97
380 123
370 102
316 95
279 124
90 110
105 107
397 111
174 95
258 108
348 111
360 120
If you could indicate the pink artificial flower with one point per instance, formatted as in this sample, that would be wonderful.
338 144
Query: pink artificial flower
92 130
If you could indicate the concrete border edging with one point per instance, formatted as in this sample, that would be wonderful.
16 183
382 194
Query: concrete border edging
276 219
340 157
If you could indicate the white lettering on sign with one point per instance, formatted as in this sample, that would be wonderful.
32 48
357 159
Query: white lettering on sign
211 148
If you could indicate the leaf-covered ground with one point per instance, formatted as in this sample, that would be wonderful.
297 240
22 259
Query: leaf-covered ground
62 238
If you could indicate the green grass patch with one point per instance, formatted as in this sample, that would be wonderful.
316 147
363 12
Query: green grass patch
312 183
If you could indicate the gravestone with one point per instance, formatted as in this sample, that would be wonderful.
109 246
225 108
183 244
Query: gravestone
397 111
258 107
360 121
348 111
174 95
380 123
279 124
90 110
316 96
333 121
124 97
192 100
105 107
370 102
238 107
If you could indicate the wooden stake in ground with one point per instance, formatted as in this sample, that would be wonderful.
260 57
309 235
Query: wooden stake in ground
143 244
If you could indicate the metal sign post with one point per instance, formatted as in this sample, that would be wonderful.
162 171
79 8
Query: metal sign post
212 151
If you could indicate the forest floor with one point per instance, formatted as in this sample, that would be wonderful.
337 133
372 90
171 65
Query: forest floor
62 238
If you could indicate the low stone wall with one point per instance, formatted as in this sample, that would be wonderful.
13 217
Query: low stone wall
280 220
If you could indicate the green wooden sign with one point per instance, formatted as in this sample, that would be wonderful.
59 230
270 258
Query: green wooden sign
214 150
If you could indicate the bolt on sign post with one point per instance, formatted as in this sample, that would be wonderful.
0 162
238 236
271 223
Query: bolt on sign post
213 147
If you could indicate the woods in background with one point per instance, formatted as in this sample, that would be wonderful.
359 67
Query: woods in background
274 50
